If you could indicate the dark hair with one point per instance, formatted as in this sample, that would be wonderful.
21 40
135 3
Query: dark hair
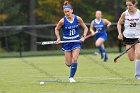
66 3
133 1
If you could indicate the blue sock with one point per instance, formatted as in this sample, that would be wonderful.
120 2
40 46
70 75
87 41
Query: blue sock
104 52
105 55
101 50
73 69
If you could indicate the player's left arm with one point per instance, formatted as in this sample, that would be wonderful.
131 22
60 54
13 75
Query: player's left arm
81 22
107 22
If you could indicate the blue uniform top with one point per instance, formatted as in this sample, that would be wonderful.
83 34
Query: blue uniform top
100 27
70 30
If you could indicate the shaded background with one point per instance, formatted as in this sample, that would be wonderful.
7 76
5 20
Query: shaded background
23 22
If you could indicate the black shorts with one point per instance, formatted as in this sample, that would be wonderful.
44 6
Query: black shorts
129 41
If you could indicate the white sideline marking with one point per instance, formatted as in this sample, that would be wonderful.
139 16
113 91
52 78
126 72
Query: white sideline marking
87 77
100 77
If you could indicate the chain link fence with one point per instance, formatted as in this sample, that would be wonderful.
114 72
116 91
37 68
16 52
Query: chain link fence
19 40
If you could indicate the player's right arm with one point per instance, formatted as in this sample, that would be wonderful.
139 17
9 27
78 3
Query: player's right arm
91 28
57 29
119 26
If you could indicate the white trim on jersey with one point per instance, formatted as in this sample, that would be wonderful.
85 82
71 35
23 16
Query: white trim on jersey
98 22
73 37
72 19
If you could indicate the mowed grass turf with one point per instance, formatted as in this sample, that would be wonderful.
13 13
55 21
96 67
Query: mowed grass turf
22 75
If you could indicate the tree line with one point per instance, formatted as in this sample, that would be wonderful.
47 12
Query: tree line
30 12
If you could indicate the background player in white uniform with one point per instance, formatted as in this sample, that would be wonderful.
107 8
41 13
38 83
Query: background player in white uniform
131 20
70 31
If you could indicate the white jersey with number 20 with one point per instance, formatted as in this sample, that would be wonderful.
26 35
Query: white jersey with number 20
132 25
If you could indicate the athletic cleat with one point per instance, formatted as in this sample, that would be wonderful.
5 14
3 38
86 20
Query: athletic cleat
137 77
71 80
96 53
105 59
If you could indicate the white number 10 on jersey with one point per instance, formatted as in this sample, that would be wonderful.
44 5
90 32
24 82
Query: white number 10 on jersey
72 32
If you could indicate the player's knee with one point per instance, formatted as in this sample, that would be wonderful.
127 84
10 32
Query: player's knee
97 44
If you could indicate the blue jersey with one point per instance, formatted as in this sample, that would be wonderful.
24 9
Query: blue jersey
100 27
70 31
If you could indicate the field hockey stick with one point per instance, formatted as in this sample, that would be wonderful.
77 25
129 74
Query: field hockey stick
116 58
54 42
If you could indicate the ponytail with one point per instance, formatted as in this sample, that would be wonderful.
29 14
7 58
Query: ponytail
67 5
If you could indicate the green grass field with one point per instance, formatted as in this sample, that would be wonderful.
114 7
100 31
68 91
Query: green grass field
22 75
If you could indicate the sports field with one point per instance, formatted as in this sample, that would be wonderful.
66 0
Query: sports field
22 75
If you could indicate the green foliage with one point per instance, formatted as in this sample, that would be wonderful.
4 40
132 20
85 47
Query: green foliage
88 8
14 10
15 14
51 10
9 8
